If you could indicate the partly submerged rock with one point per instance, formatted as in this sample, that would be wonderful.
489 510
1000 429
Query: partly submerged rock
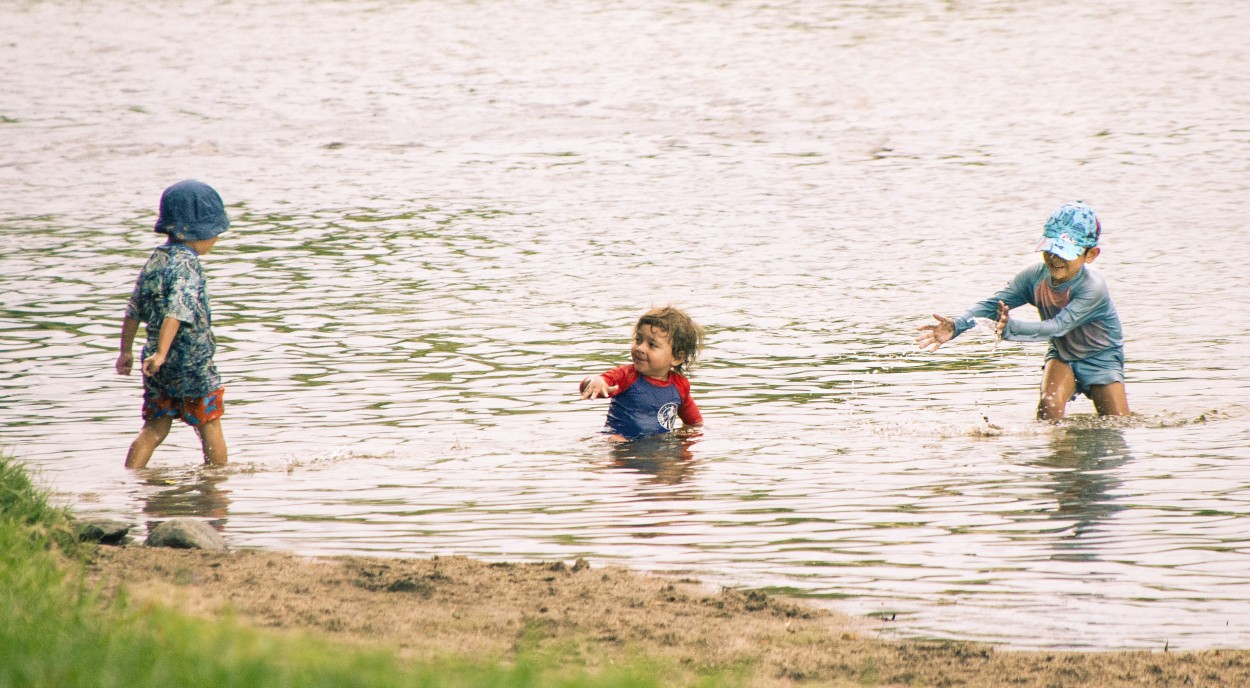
185 533
103 530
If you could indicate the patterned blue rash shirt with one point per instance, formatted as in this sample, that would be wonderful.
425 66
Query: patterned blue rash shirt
172 284
1077 317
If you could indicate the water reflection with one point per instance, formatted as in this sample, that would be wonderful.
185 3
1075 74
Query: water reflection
1082 464
199 493
666 459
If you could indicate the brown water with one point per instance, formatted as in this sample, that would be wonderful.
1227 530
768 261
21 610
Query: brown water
445 214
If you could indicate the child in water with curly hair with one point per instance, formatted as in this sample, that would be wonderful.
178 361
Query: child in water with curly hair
651 393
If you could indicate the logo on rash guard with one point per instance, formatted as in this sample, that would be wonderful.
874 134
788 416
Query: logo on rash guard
667 416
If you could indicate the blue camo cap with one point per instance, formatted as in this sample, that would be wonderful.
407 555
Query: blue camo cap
1071 230
191 211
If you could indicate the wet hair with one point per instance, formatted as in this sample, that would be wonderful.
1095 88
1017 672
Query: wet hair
684 333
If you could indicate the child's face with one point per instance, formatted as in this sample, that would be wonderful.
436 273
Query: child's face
652 352
1063 270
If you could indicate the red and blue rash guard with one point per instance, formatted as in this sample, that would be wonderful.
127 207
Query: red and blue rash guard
645 406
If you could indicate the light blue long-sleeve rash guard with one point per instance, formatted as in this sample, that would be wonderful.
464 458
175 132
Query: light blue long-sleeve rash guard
1077 317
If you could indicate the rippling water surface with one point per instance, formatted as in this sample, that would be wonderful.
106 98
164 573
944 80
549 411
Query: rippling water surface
445 214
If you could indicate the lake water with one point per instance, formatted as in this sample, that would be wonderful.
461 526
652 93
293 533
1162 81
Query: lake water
447 213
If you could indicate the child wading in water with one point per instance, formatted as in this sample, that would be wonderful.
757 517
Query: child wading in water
1078 319
171 297
650 394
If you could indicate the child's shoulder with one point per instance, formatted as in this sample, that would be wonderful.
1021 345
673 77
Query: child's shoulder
180 254
681 382
626 373
1033 271
1095 280
174 248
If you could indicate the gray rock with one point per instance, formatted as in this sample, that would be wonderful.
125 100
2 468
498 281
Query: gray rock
102 530
185 533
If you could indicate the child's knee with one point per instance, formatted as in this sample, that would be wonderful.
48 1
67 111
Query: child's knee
213 442
1053 402
1050 407
158 427
1110 399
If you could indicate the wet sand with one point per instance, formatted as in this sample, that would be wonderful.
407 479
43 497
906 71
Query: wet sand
453 606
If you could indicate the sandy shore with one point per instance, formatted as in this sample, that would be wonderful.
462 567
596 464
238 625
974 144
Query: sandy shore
425 608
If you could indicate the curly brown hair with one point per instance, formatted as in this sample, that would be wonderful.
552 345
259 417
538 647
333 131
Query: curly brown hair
685 334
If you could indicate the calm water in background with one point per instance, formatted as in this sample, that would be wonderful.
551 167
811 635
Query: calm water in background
446 214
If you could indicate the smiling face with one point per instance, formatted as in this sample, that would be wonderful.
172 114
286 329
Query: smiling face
1063 270
652 352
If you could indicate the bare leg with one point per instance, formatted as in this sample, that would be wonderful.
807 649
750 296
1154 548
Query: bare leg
1109 400
150 437
213 441
1058 386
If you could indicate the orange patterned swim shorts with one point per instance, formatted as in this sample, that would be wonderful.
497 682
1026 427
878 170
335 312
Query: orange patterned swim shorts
193 411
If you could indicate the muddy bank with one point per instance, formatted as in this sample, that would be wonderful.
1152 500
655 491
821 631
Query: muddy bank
590 615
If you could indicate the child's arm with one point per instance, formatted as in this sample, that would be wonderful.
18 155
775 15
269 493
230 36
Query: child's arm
1084 307
610 383
130 327
597 386
126 359
688 411
1016 293
169 329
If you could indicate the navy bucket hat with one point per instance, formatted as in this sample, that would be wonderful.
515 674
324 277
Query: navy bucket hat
191 211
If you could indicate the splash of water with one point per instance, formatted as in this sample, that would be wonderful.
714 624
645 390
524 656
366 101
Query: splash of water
990 326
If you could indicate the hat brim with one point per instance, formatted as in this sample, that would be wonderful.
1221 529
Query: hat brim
195 232
1059 247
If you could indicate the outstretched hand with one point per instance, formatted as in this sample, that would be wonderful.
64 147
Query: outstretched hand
595 387
933 336
1001 326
